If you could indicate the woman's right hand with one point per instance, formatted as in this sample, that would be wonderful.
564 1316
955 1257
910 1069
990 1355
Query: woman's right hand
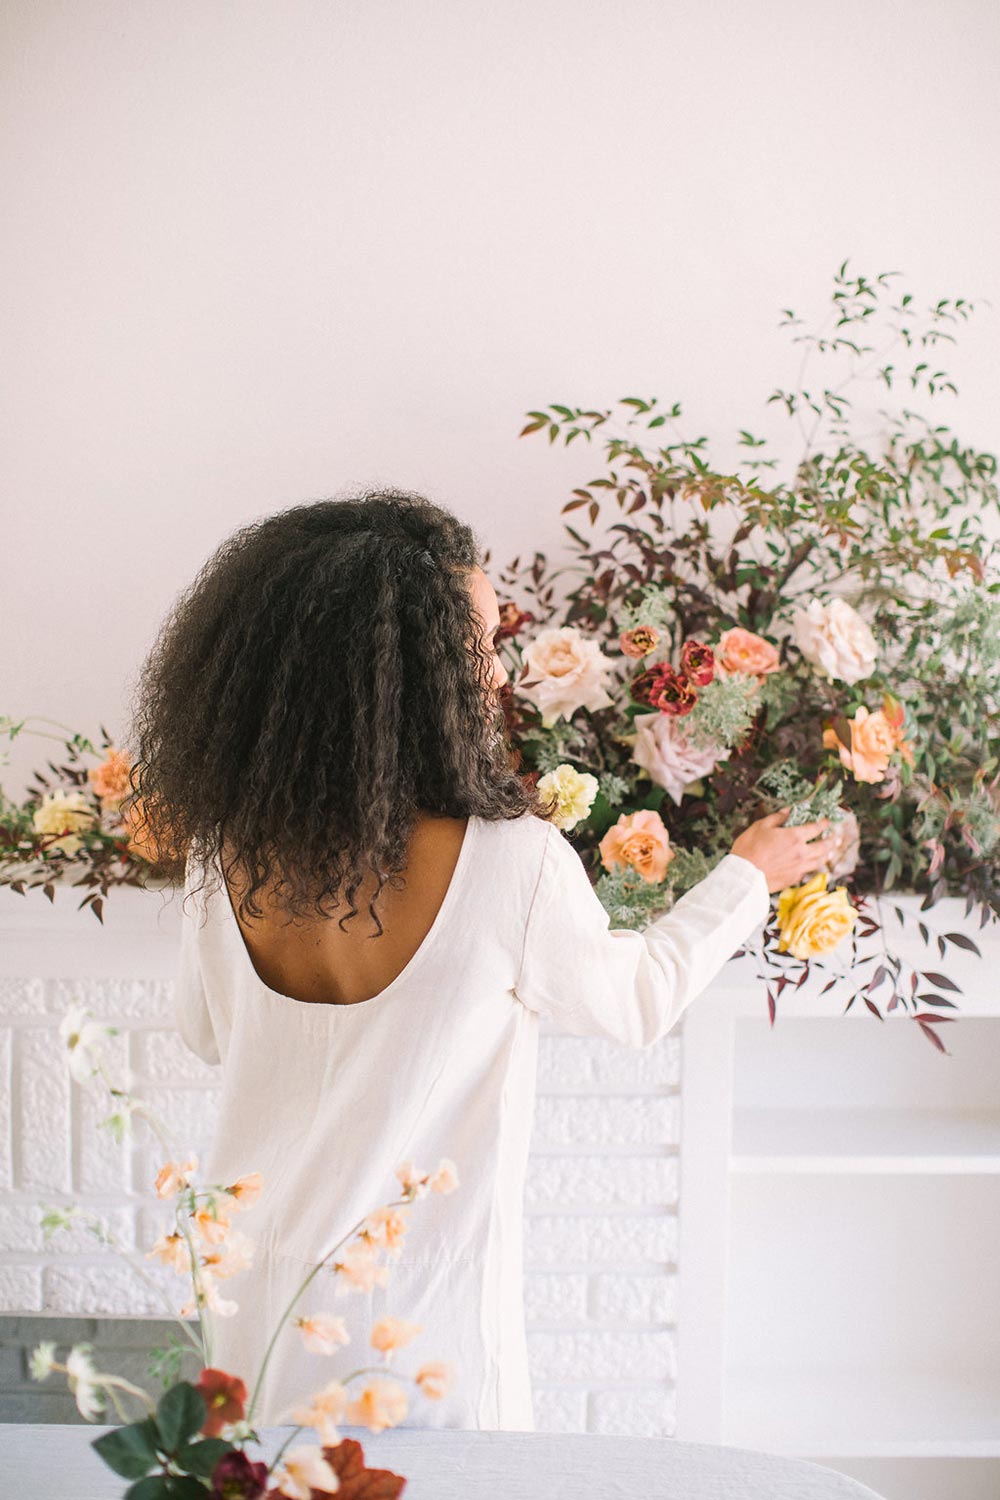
785 855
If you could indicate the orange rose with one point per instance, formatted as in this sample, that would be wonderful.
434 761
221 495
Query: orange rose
638 841
874 738
740 650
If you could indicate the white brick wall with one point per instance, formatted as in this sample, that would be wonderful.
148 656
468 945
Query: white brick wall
601 1196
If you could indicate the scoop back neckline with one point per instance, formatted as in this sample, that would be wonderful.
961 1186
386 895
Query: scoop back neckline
449 900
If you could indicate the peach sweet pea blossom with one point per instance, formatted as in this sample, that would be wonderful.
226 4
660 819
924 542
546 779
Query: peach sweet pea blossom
672 759
741 651
874 738
212 1227
323 1333
325 1411
229 1258
381 1404
358 1269
445 1179
389 1334
172 1250
244 1191
434 1378
386 1227
566 671
110 780
174 1176
413 1182
303 1470
640 842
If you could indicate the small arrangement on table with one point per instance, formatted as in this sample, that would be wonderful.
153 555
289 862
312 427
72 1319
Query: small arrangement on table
197 1438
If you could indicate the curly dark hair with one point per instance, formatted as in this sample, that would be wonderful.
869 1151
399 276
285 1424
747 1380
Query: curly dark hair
320 682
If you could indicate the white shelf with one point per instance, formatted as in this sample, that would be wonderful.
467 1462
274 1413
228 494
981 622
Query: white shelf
864 1414
870 1140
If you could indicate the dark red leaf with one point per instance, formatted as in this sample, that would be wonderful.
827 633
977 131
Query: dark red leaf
942 981
961 941
347 1460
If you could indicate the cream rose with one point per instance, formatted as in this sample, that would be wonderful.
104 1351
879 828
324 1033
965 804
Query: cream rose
566 671
69 810
574 792
835 640
670 756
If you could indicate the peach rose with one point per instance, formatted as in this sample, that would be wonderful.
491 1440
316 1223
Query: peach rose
566 671
874 737
638 841
110 780
740 650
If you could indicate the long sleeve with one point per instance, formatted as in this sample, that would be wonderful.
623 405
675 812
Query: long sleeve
192 1016
629 986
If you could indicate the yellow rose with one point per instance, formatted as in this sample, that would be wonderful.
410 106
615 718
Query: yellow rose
573 790
64 812
812 919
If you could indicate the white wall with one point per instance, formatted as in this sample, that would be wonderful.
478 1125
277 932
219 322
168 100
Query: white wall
260 252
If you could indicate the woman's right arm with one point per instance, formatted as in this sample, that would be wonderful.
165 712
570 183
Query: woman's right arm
633 986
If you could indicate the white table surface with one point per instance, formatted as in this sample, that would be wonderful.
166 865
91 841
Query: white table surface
53 1461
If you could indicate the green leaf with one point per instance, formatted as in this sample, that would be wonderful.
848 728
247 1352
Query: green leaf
180 1413
201 1458
184 1487
130 1450
153 1488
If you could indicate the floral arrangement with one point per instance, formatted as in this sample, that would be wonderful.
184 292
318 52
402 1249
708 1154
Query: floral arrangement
735 643
193 1440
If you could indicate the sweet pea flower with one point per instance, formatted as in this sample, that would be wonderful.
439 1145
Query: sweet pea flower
389 1334
325 1411
84 1382
386 1227
303 1470
381 1404
244 1191
357 1268
445 1179
434 1378
174 1176
212 1227
84 1039
172 1250
322 1333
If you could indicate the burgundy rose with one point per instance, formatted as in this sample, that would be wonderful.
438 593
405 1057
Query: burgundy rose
236 1478
512 620
646 683
673 694
697 662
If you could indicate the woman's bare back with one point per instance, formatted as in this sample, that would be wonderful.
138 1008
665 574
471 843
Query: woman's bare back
320 962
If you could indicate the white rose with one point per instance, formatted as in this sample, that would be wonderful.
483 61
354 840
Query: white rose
566 671
836 640
671 758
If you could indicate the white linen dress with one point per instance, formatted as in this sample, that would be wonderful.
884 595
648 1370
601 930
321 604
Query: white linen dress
326 1101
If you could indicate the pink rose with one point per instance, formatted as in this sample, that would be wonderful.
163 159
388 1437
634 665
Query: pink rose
671 757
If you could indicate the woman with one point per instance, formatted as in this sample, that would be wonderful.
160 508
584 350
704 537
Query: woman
376 914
